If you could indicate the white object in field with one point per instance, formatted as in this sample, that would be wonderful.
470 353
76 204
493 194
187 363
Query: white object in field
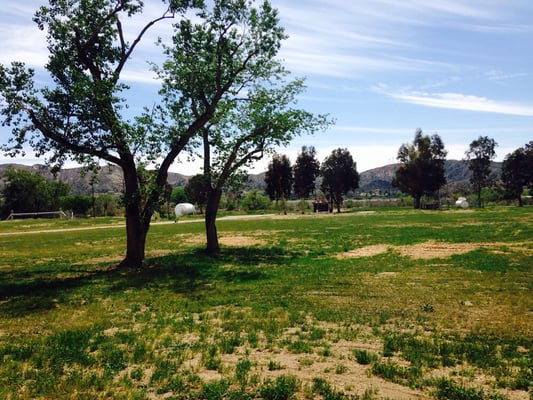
461 202
184 209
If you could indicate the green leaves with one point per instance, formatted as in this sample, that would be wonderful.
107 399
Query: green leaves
421 170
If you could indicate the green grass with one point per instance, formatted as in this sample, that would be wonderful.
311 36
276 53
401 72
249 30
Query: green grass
285 297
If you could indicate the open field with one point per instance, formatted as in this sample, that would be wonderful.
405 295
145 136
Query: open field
385 304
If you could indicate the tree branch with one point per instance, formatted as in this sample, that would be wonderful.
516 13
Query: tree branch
61 140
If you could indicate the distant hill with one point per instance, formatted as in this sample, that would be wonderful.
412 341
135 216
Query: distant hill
110 178
456 171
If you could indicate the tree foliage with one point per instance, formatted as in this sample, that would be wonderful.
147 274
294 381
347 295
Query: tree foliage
478 158
306 170
278 179
339 176
196 190
253 200
79 204
179 195
517 171
421 169
26 191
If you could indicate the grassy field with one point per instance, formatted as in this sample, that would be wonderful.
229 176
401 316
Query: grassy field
383 304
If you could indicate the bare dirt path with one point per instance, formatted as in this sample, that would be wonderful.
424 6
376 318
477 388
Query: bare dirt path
123 224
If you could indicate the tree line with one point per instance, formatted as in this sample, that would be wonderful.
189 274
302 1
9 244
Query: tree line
421 169
420 173
30 192
338 172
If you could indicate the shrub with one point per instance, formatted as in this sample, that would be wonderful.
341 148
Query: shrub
241 371
365 357
283 388
447 389
214 390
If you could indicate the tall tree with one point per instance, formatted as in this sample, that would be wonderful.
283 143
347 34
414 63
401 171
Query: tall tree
478 158
517 171
306 170
421 169
230 56
339 176
197 189
278 179
82 115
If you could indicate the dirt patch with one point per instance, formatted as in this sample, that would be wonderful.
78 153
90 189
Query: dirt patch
230 239
367 251
241 241
430 249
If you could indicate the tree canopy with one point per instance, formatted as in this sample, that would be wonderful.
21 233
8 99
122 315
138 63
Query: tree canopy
306 170
339 176
478 158
278 179
27 191
421 169
517 171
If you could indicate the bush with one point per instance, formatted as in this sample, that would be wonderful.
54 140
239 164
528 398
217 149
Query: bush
364 357
447 390
283 388
254 200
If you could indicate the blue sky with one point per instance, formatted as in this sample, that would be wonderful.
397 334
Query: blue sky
380 68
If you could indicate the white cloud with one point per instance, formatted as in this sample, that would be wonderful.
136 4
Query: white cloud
459 101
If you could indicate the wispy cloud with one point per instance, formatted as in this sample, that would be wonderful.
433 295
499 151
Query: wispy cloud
459 101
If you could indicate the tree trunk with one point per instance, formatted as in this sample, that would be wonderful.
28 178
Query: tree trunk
136 232
284 205
416 201
211 209
338 201
137 224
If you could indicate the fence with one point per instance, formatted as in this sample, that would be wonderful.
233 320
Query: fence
59 214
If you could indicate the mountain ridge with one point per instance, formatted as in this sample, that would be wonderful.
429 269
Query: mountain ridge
110 177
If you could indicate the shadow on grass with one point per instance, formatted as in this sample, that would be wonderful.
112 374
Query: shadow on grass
29 291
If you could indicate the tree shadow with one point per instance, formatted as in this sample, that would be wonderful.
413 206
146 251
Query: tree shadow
27 292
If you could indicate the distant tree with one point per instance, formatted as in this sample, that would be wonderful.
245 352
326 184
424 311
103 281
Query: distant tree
106 205
339 176
421 169
255 200
517 171
178 195
197 189
278 179
478 158
27 191
79 204
306 170
24 191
